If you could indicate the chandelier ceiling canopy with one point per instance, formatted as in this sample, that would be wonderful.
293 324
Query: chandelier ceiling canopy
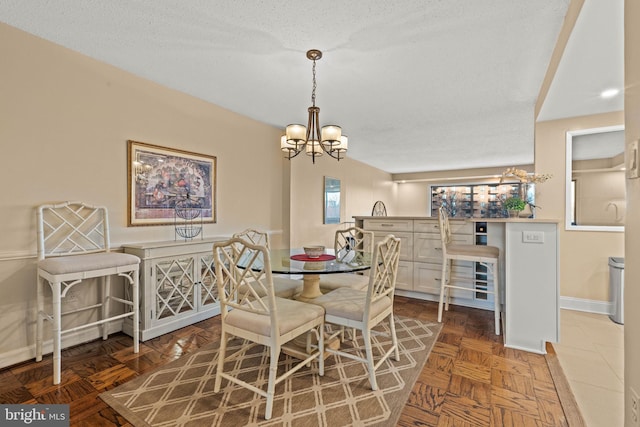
312 139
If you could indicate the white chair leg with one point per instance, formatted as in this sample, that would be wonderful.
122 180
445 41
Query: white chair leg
447 289
443 284
222 353
39 318
394 338
135 298
271 385
56 330
321 349
496 297
366 335
106 300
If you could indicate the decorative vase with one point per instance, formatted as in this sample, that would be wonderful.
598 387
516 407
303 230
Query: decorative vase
513 213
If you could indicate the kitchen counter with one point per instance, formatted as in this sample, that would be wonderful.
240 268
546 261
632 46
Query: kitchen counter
529 268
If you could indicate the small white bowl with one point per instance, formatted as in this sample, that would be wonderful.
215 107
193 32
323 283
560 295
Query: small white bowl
313 251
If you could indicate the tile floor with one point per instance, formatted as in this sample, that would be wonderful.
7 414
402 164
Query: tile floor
591 353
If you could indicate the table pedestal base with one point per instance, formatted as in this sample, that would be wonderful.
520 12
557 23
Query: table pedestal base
310 288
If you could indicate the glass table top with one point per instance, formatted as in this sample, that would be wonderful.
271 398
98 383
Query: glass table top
281 263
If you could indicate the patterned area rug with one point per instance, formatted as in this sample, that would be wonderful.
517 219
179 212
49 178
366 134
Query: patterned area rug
181 393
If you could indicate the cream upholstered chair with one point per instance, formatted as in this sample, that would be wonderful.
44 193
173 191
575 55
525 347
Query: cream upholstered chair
284 287
260 316
364 309
348 243
486 255
73 247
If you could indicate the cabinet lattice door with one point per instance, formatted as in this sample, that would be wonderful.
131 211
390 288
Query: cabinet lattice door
175 285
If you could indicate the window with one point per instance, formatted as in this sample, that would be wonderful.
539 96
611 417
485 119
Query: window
477 200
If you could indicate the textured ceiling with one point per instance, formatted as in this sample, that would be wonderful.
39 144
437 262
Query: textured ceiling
417 85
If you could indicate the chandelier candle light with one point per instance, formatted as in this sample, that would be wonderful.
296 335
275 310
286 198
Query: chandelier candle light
312 139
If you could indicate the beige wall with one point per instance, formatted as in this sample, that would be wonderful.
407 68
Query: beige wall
632 242
600 198
361 187
584 255
64 123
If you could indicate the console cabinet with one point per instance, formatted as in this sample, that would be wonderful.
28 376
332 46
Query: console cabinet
177 285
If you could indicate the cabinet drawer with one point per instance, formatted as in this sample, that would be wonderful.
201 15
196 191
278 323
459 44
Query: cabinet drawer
406 243
426 226
427 247
404 279
388 225
431 226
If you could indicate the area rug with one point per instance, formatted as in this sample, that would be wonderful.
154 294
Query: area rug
181 393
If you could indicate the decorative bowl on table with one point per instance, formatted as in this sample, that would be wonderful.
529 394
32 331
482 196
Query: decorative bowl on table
313 251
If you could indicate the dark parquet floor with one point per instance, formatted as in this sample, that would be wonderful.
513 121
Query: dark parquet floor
470 378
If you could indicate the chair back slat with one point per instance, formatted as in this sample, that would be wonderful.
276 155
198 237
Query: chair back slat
243 273
72 228
382 280
350 241
445 229
255 237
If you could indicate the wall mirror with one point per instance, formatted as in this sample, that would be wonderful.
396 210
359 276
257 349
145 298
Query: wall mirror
595 182
331 200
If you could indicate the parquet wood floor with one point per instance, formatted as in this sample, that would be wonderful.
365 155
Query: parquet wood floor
470 378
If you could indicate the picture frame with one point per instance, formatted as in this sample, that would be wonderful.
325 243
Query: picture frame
159 177
331 201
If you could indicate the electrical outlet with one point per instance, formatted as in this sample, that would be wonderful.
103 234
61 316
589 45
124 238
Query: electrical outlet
532 237
635 410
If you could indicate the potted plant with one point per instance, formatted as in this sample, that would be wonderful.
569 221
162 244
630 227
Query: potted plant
514 205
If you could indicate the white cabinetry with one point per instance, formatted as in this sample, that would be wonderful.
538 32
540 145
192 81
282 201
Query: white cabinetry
531 306
421 256
528 263
177 285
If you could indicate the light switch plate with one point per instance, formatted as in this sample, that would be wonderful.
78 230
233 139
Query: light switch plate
633 158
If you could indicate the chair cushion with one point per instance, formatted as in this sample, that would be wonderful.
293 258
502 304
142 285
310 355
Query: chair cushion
291 315
349 303
86 262
474 250
329 282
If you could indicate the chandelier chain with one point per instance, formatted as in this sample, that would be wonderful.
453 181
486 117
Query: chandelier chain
313 87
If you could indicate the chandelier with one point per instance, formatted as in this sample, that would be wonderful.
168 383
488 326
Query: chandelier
311 139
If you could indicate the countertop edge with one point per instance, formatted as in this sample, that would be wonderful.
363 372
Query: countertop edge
519 220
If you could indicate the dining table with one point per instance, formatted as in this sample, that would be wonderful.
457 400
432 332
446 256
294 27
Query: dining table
294 261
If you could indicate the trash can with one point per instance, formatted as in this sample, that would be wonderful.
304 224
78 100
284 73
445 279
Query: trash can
616 289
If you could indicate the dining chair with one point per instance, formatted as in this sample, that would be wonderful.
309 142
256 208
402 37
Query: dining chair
364 309
488 256
348 244
74 247
285 287
254 313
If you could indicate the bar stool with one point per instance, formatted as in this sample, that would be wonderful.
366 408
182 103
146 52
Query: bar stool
73 246
487 256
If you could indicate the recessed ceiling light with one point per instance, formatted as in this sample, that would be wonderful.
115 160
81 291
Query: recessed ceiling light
609 93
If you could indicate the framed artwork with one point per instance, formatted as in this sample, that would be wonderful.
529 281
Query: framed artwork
160 177
331 200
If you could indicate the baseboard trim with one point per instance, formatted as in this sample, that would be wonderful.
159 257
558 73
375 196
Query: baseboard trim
71 339
588 305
